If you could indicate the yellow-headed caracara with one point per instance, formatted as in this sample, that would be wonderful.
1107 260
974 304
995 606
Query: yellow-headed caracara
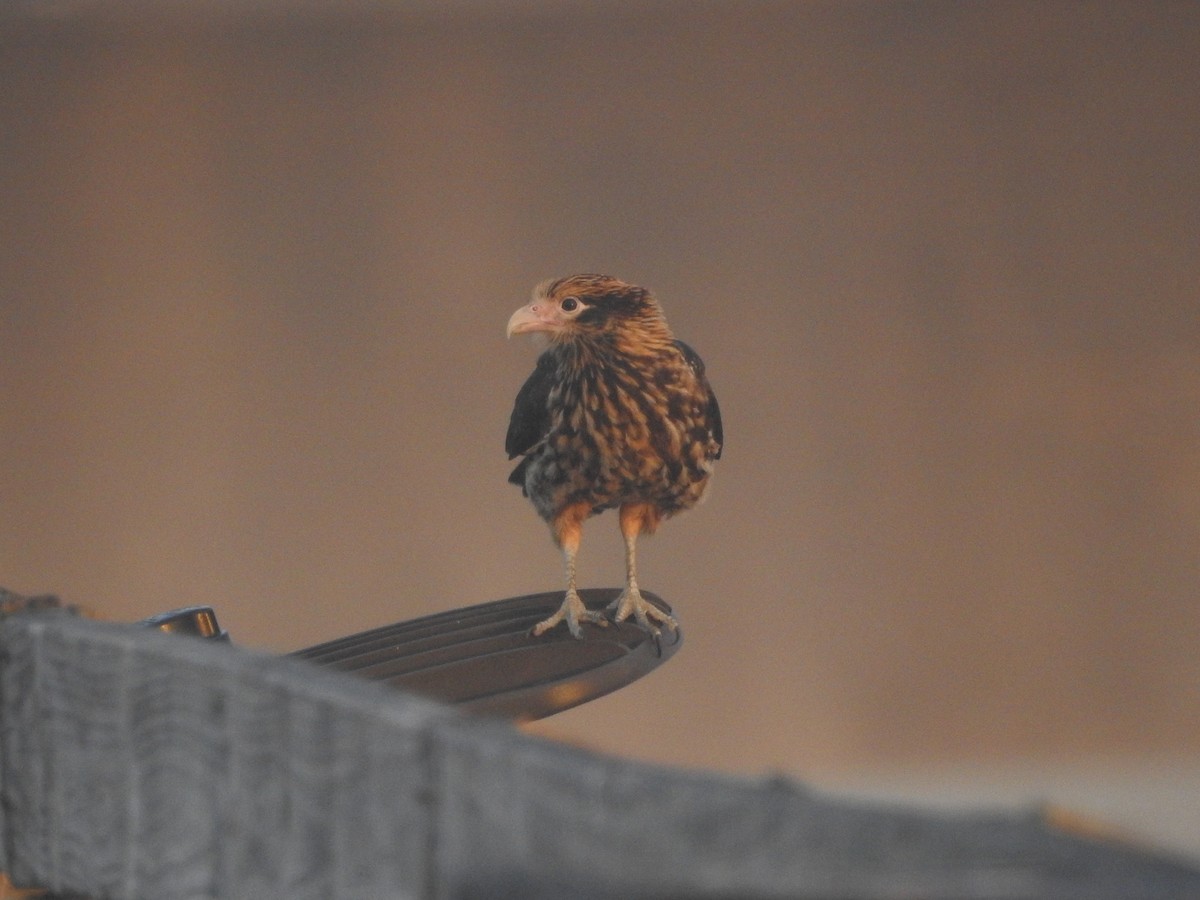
616 415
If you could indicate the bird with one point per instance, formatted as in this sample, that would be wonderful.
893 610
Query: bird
617 414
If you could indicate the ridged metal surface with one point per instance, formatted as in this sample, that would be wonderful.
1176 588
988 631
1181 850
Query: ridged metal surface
483 659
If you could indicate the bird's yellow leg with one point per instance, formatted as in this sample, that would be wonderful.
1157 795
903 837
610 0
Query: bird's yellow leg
568 529
634 518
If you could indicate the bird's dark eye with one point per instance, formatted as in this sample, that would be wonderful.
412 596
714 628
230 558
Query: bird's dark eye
570 304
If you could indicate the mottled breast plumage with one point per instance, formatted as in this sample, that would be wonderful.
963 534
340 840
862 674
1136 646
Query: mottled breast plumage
604 427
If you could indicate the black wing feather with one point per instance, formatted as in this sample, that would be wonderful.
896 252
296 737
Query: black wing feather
530 416
692 358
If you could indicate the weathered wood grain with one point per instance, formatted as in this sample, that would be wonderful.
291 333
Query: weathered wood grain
135 764
140 765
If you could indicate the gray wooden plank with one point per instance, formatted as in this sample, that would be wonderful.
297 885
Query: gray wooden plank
135 764
564 822
138 764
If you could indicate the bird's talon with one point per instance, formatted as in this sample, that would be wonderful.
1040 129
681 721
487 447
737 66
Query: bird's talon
632 603
573 612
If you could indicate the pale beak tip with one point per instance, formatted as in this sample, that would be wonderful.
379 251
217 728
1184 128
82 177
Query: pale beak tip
522 320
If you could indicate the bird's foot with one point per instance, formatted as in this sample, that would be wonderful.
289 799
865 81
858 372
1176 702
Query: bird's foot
573 612
632 603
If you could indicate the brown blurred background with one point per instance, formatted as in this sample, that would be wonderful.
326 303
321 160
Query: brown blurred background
941 259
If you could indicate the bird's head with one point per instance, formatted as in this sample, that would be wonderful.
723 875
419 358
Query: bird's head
583 307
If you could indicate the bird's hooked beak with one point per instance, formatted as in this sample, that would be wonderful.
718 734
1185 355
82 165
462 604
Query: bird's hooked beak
539 315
